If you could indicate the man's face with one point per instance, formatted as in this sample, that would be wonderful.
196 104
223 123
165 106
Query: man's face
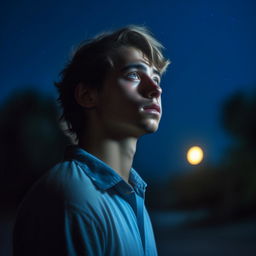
130 99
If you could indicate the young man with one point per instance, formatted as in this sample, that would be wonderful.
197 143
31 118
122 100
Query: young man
92 203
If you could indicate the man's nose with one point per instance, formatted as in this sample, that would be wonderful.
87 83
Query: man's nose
155 92
151 89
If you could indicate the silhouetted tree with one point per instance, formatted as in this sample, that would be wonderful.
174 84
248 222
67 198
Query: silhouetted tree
239 118
31 142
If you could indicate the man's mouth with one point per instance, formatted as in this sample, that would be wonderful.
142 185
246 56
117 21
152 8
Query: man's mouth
152 108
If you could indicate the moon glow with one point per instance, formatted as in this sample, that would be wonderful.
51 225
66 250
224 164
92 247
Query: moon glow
195 155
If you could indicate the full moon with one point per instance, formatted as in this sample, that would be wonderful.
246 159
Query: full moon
195 155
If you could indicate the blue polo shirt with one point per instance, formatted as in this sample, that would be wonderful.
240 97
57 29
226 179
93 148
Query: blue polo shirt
83 207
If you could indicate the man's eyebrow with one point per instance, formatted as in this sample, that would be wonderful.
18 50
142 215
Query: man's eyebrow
139 66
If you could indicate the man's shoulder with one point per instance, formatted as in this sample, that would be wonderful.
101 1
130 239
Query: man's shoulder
66 182
72 180
66 173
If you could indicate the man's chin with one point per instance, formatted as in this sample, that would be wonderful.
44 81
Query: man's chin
151 130
150 127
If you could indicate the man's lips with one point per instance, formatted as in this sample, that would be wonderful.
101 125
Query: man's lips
154 107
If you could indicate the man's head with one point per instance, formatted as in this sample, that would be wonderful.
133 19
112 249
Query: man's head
94 60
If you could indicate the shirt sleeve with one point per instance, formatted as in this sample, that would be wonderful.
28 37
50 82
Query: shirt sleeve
66 231
83 234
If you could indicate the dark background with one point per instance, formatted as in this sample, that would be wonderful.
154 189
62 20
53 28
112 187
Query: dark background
209 99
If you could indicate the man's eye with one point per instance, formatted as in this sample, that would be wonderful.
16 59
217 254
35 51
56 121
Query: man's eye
157 80
133 76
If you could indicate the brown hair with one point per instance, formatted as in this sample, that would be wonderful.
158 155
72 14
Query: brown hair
91 61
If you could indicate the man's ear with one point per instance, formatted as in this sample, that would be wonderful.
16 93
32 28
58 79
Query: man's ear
86 96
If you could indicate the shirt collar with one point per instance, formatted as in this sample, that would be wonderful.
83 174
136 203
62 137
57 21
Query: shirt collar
137 182
101 174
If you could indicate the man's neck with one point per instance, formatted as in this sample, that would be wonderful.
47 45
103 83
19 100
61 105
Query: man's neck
117 154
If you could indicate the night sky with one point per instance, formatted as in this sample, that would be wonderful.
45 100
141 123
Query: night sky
211 45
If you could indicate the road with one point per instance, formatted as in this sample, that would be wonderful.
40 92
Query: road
235 239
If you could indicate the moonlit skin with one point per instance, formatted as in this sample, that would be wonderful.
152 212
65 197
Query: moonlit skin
128 87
